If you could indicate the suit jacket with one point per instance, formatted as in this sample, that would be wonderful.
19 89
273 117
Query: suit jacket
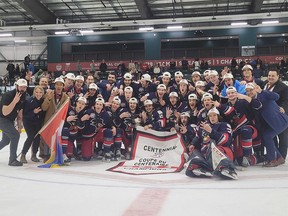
51 107
270 112
282 90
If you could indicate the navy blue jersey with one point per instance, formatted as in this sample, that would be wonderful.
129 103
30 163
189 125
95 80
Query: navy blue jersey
221 133
115 116
140 91
237 115
153 96
156 119
128 123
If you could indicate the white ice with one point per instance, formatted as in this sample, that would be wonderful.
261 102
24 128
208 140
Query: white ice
86 188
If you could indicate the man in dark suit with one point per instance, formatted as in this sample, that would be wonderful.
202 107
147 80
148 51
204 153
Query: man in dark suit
274 84
269 120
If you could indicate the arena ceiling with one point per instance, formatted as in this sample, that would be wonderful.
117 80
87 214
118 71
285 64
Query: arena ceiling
128 15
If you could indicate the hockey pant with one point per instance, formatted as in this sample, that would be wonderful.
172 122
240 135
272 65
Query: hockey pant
203 160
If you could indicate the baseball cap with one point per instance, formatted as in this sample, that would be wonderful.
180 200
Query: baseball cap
247 66
213 110
93 86
21 82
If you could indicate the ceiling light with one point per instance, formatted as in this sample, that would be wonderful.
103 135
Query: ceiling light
6 35
260 35
20 41
174 27
283 34
238 23
146 29
209 38
270 22
86 31
61 32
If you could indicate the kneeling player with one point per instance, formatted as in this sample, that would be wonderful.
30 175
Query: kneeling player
215 155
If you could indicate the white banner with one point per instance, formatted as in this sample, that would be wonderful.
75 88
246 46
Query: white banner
154 152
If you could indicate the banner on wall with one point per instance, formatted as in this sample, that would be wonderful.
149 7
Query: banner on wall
154 152
216 62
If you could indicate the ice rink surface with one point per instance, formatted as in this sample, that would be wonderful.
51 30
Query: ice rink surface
86 188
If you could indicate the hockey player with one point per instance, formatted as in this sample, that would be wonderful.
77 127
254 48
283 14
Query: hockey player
239 114
192 108
130 117
213 137
70 131
145 86
91 95
103 125
230 81
114 113
173 110
186 129
128 94
77 90
207 102
152 118
159 98
183 90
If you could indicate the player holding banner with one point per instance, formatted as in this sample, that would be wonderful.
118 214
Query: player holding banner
215 155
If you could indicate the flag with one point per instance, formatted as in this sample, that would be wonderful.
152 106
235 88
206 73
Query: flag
51 134
154 152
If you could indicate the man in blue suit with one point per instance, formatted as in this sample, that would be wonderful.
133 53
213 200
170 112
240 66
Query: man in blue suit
269 119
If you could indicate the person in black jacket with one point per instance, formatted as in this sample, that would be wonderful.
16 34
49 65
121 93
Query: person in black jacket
33 117
274 84
11 107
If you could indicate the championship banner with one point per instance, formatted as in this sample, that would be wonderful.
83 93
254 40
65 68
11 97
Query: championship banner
154 152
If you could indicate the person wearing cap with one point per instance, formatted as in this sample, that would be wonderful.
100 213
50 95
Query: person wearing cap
33 117
71 131
269 119
152 118
68 82
128 94
173 110
130 117
238 113
229 80
159 98
91 95
207 103
274 84
196 76
106 86
175 82
125 82
215 85
166 80
53 100
248 77
200 87
77 90
193 108
206 75
11 107
114 113
89 79
186 129
144 86
183 90
220 134
95 127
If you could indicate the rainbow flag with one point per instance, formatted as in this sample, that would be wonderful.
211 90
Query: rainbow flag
51 134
